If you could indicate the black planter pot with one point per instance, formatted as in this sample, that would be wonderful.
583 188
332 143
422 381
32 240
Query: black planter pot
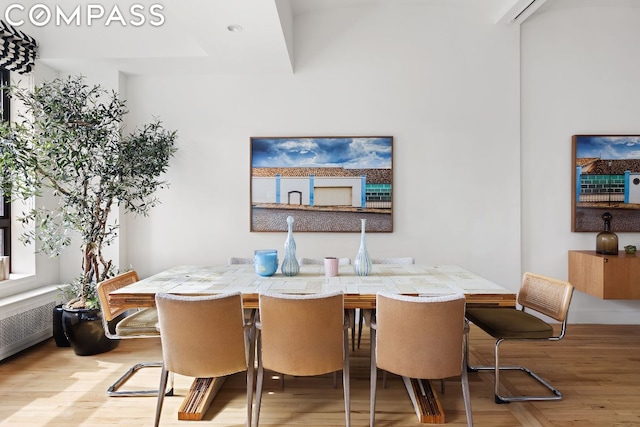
83 328
58 331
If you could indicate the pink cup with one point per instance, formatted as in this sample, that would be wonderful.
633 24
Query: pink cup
331 266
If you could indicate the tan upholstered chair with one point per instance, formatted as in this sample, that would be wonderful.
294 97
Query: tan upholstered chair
538 294
238 260
401 261
204 337
320 261
435 351
302 335
137 324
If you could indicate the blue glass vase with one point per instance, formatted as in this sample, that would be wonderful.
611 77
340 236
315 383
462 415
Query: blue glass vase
290 265
265 262
362 262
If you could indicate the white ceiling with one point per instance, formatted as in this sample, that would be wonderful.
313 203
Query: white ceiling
194 35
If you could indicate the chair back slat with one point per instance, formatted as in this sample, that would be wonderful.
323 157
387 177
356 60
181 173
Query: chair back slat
545 295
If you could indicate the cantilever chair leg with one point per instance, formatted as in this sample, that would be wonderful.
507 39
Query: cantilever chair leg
114 391
507 399
539 294
499 398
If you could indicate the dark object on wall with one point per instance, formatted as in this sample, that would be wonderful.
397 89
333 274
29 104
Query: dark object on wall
607 241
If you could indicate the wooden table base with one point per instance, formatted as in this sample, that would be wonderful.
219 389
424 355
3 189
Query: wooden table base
424 398
200 396
425 401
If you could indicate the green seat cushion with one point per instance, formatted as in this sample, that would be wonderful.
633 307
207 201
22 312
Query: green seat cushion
509 323
143 322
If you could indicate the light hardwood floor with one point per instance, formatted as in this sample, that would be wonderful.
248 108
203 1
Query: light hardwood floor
597 367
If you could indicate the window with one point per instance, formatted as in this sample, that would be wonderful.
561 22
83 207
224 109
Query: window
5 206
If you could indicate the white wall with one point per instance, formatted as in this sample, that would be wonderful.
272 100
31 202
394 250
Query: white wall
444 82
579 76
482 150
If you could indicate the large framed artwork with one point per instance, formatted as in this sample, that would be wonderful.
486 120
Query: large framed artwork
606 179
327 184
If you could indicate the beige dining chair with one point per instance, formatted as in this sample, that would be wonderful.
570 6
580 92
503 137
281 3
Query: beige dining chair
137 323
204 336
320 261
435 352
302 335
540 295
399 261
239 261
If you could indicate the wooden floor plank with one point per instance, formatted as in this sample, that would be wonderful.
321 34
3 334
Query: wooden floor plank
595 366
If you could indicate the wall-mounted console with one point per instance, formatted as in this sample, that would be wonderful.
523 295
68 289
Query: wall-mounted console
605 276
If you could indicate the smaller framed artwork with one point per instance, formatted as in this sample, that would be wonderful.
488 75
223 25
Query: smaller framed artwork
605 179
327 184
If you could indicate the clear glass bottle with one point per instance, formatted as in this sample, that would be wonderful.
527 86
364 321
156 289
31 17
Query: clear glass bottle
290 265
362 261
607 240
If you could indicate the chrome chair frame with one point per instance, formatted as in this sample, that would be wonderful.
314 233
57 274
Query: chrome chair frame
110 313
496 368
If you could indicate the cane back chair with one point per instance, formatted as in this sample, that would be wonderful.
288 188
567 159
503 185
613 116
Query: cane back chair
140 323
538 294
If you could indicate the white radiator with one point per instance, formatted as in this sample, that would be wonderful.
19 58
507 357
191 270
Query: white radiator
26 319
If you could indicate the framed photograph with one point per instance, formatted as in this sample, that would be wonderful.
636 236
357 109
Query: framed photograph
325 183
606 179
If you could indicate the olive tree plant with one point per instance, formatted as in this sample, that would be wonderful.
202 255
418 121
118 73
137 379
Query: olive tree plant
70 139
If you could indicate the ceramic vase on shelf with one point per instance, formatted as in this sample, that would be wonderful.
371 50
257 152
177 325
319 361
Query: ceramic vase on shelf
362 261
290 266
607 241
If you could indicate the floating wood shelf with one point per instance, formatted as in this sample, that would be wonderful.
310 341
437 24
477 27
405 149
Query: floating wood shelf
605 276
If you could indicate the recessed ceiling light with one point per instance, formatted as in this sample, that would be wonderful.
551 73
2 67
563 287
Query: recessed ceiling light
234 28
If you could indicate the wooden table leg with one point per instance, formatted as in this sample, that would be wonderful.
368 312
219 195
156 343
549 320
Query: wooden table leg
200 395
425 401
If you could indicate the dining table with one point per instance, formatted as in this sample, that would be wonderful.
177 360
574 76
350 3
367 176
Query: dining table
359 293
